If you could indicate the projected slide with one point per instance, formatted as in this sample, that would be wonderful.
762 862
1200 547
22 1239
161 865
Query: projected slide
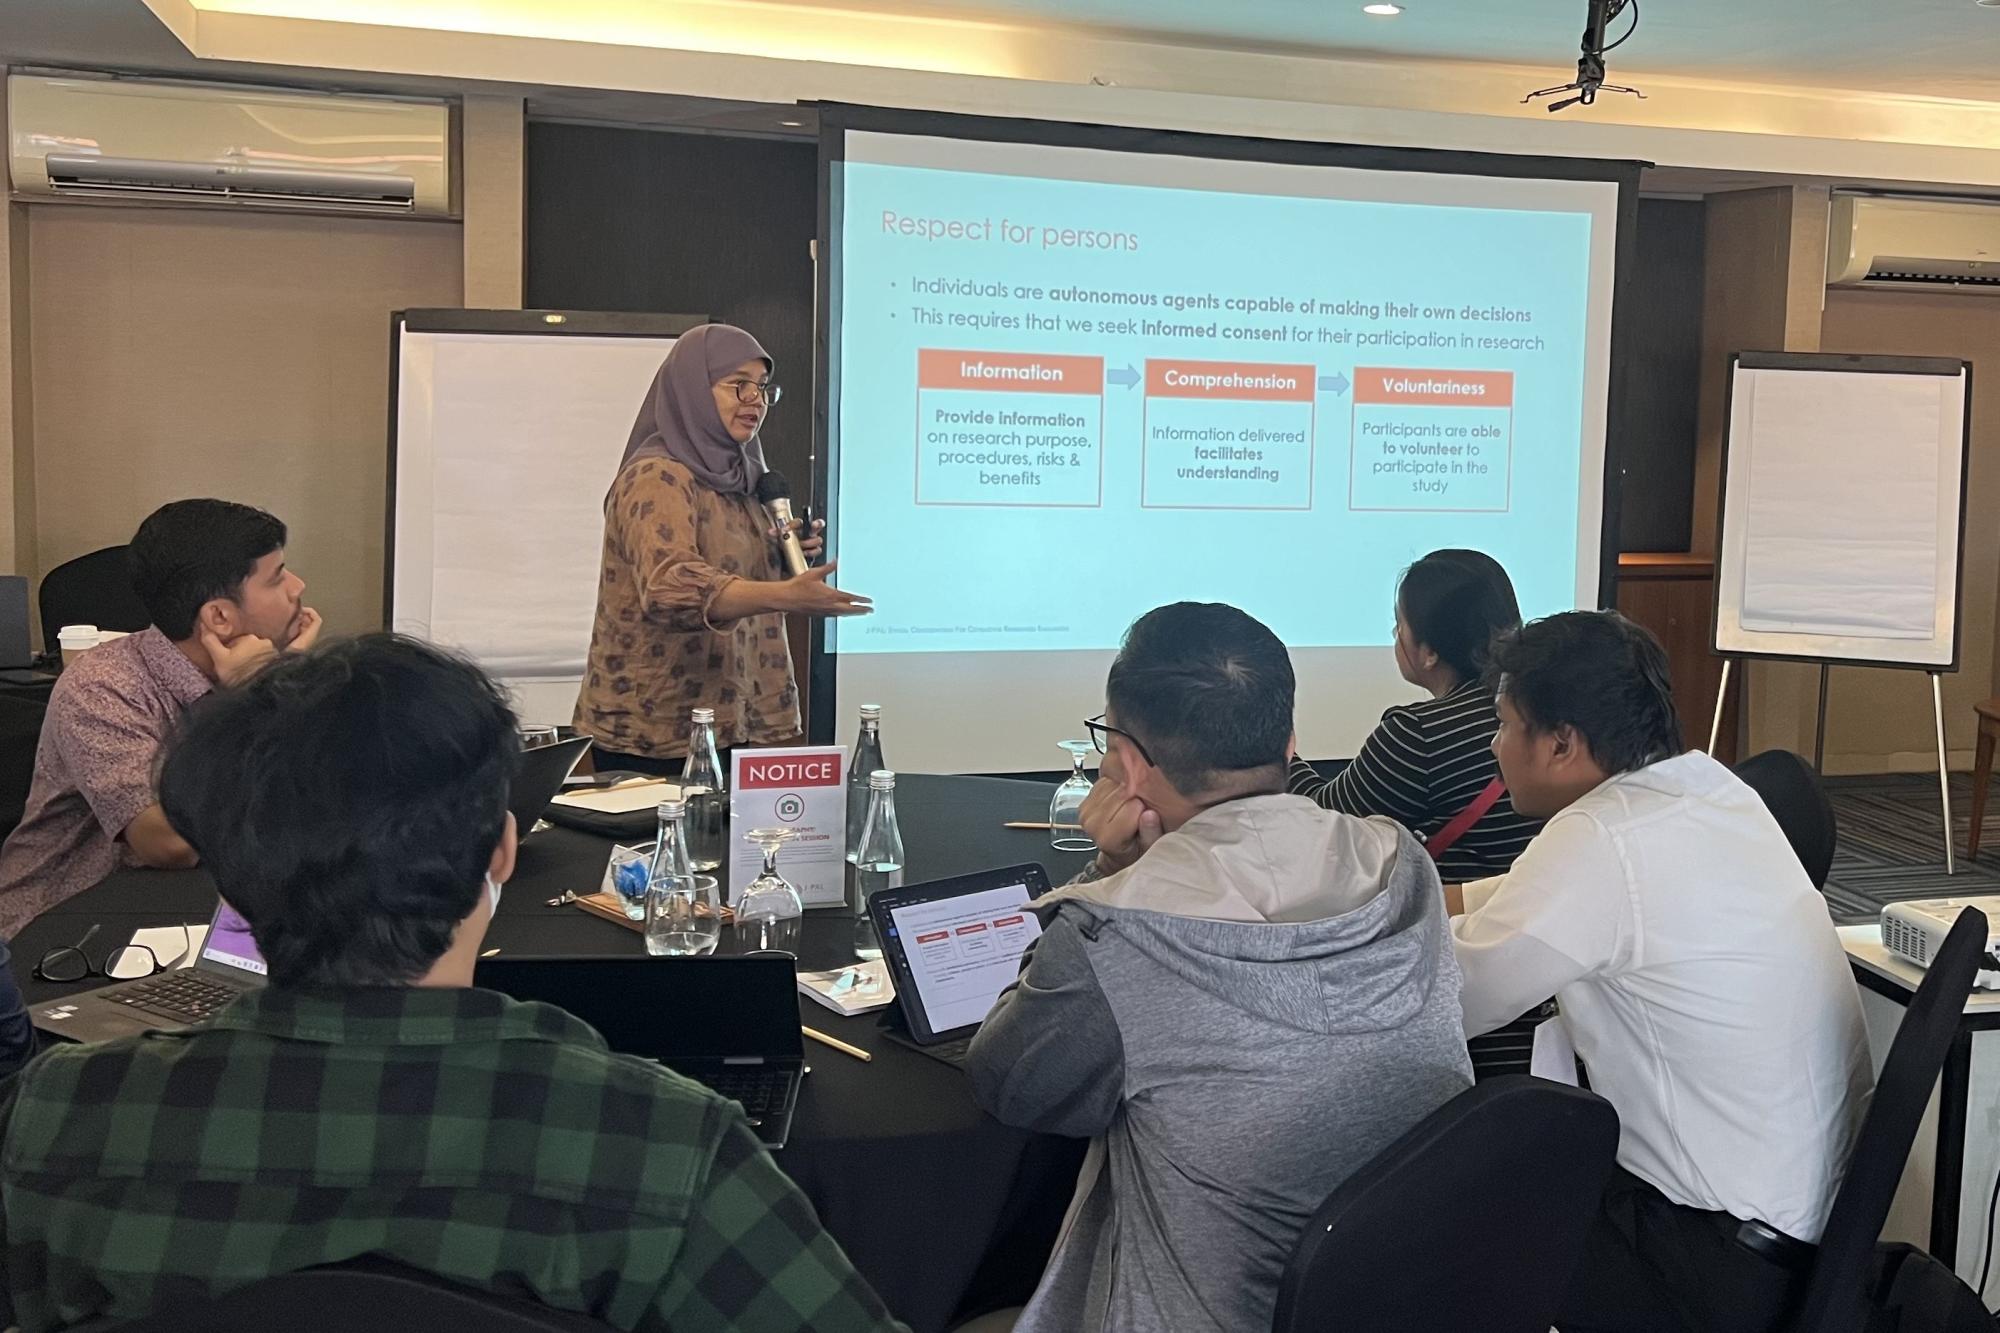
1072 384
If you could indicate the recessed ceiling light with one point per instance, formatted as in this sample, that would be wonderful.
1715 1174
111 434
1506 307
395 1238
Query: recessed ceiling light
1390 11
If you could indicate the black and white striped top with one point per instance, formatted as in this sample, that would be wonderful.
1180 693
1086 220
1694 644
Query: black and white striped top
1423 764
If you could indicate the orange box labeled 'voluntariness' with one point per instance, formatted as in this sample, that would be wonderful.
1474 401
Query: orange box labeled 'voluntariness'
1009 372
1449 388
1242 381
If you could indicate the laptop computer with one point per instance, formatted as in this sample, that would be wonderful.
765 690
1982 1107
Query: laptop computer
227 966
952 946
729 1022
539 775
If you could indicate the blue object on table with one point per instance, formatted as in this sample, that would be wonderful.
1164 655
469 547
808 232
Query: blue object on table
630 878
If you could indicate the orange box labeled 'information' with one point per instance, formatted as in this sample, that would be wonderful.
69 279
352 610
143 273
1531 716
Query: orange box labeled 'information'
1445 388
1241 381
1009 372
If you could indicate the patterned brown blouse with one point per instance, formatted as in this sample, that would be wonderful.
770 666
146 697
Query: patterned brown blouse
670 545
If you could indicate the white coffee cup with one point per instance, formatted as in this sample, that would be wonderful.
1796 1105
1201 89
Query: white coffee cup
76 640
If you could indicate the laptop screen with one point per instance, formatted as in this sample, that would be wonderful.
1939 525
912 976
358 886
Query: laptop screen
230 943
668 1009
964 950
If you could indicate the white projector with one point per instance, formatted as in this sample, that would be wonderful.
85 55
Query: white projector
1916 931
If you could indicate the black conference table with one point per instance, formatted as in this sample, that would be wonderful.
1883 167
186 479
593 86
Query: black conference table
943 1209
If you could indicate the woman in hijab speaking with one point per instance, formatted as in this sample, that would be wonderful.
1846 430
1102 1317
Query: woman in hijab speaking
692 601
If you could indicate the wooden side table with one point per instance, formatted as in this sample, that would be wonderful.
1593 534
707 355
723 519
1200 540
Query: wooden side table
1982 768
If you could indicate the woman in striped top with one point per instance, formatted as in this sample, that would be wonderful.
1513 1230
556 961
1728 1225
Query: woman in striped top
1426 762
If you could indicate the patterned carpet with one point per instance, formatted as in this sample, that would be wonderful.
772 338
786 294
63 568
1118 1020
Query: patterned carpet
1891 846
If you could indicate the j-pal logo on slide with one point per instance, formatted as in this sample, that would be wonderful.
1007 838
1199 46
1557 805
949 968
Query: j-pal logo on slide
814 771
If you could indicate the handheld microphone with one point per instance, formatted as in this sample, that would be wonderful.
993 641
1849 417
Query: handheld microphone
775 494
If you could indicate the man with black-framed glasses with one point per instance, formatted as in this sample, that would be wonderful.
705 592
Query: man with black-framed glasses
1243 1000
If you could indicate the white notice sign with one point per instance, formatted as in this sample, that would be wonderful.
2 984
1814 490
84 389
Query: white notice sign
802 789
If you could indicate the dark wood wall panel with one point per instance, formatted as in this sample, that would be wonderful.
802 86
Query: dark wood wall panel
1674 596
1655 434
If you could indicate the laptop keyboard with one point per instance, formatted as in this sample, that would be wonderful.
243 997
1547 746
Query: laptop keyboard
186 995
951 1052
759 1089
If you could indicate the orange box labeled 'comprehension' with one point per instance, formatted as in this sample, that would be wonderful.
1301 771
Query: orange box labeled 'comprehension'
1448 388
1009 372
1243 381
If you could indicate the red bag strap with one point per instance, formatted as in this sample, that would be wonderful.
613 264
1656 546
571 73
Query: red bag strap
1440 842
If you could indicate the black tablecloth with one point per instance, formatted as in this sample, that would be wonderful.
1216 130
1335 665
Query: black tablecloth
942 1208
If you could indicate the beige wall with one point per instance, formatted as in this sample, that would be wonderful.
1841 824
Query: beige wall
17 538
493 179
192 352
1882 719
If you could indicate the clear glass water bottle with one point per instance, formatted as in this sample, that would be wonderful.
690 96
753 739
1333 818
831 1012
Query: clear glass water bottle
667 868
706 793
879 864
862 760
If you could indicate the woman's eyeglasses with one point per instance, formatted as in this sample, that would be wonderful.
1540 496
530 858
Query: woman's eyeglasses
750 391
71 964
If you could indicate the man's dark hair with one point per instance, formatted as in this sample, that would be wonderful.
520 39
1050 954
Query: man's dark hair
348 802
1599 673
1457 602
188 553
1206 689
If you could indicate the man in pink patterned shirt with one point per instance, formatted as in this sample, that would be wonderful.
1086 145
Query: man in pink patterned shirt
212 575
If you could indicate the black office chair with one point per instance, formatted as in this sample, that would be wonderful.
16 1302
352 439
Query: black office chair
1840 1293
94 589
1796 798
20 738
364 1295
1441 1231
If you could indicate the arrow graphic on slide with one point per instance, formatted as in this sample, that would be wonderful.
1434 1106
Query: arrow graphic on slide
1127 377
1334 383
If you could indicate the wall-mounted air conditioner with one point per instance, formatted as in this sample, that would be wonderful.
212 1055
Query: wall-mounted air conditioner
143 140
1898 241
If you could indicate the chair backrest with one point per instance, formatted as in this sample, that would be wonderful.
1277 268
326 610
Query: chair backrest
1474 1219
366 1293
94 589
1836 1295
20 737
1796 798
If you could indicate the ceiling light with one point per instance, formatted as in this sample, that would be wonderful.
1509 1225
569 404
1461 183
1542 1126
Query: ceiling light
1390 11
792 124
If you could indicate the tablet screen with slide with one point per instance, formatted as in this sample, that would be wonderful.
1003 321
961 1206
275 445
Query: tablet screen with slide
956 944
1070 384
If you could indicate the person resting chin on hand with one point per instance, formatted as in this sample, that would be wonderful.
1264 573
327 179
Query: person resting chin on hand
1119 821
213 579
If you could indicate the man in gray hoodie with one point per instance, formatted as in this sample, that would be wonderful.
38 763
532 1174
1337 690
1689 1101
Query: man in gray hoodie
1240 1003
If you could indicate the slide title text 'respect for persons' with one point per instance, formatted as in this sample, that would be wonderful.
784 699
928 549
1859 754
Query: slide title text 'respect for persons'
1008 232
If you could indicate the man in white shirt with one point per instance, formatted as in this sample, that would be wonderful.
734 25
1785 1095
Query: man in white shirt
1698 974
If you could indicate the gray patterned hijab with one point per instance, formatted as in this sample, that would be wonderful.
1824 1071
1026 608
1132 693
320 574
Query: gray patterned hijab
678 420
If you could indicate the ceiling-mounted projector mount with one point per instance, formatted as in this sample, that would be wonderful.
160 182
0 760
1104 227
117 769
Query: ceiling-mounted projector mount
1589 82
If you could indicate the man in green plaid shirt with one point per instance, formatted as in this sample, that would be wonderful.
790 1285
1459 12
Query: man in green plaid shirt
352 806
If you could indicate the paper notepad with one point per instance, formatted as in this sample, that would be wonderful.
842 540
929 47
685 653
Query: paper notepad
851 990
623 799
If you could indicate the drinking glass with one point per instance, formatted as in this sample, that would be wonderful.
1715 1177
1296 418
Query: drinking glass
768 914
682 916
1066 810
